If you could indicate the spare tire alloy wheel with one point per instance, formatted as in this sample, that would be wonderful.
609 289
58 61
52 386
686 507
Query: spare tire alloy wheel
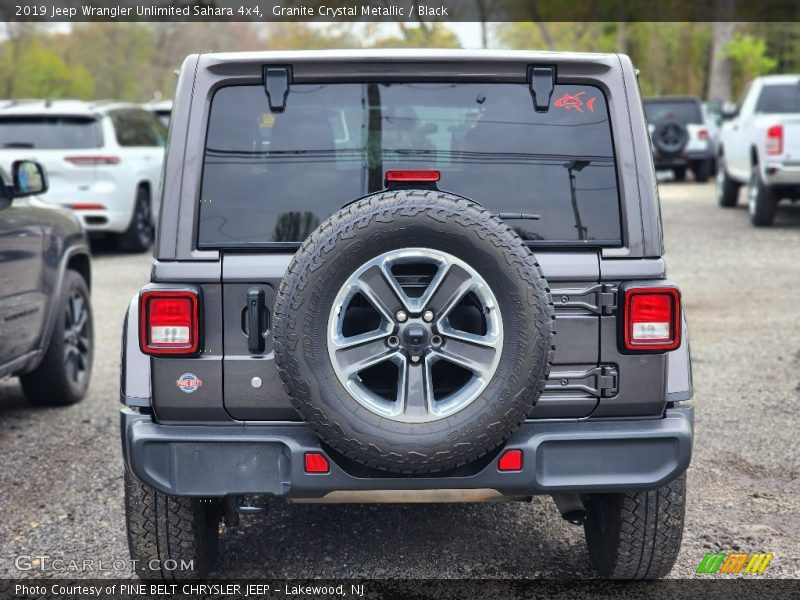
413 331
417 338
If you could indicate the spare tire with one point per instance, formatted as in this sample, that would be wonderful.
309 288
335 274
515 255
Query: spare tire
413 331
670 137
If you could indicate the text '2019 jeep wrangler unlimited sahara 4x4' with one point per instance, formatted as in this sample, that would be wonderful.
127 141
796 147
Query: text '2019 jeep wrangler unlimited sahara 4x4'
408 276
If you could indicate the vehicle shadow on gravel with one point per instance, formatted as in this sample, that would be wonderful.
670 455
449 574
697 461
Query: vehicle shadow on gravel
787 217
396 541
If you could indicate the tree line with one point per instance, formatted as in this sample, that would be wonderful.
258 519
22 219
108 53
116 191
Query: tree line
137 61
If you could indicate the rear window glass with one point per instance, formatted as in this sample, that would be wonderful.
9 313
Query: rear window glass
779 99
685 111
273 177
50 132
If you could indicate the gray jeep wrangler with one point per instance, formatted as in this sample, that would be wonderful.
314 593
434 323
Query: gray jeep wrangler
407 276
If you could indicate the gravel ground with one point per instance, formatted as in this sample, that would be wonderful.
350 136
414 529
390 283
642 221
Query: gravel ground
61 485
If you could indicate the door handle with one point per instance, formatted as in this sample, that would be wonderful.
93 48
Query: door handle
255 320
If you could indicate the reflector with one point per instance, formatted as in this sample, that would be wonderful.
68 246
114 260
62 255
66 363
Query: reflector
510 460
315 462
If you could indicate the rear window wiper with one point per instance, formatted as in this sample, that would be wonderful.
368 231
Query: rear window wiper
517 216
18 145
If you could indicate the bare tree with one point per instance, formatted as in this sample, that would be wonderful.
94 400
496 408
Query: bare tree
719 76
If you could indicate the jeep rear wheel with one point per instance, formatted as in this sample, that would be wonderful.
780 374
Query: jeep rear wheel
170 537
413 331
636 535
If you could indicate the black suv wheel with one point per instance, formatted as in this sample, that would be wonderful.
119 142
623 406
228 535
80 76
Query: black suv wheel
64 373
414 331
636 535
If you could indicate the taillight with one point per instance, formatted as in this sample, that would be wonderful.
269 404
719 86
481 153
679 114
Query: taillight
703 134
89 161
168 322
412 176
775 140
652 319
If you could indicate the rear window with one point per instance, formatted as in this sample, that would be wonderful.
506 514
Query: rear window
685 111
50 132
779 99
273 177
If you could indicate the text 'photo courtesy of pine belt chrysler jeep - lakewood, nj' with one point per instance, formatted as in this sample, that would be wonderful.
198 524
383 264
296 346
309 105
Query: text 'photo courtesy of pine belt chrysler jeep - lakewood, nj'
408 276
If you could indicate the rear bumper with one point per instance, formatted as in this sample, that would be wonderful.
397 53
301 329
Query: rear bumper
682 160
558 456
780 173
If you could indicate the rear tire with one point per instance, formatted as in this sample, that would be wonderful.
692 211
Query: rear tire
679 173
636 535
761 201
139 235
727 188
63 376
702 171
162 529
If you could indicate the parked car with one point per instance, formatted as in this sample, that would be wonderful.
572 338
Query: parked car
356 287
681 137
103 160
46 335
760 146
162 109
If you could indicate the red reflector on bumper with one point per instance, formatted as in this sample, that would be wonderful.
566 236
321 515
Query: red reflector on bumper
88 207
315 462
412 176
510 460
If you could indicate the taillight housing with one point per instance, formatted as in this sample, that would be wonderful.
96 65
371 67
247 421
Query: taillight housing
774 145
652 319
703 134
169 322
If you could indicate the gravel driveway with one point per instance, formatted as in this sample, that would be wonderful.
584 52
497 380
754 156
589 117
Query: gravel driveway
61 484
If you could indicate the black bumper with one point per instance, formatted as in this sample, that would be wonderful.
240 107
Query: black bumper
680 160
559 457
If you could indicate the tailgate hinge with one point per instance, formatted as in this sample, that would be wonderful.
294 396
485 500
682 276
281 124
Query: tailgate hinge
601 382
601 298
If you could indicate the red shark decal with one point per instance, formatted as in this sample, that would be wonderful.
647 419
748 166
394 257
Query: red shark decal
570 101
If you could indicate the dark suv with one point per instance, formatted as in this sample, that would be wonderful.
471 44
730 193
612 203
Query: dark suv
404 276
45 310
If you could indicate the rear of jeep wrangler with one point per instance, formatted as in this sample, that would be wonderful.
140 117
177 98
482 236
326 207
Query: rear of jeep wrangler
407 276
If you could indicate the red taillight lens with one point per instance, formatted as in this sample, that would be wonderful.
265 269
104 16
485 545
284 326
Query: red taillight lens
652 319
412 176
169 322
510 460
775 140
703 134
89 161
315 462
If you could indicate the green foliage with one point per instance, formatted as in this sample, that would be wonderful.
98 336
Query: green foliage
423 35
30 69
749 57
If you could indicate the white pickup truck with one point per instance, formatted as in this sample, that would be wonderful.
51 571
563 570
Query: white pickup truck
759 145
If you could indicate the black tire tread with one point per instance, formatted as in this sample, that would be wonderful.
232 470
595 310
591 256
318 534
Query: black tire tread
162 528
346 223
647 538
